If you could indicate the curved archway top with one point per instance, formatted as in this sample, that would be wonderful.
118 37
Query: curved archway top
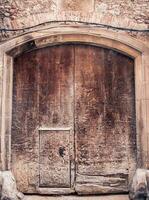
60 34
81 34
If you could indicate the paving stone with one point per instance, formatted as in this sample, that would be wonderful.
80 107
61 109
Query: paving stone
106 197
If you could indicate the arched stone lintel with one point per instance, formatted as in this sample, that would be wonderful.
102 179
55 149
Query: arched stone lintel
75 34
108 39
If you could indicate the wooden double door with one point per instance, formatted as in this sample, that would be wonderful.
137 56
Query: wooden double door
73 120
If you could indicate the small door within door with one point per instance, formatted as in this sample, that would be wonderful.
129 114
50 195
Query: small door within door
73 120
43 120
54 158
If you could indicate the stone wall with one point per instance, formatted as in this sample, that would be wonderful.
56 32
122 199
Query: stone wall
133 14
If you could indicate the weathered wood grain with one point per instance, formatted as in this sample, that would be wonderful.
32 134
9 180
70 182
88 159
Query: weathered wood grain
25 141
85 89
56 111
104 115
42 98
56 86
54 159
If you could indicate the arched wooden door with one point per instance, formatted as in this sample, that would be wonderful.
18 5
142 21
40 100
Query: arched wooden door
73 120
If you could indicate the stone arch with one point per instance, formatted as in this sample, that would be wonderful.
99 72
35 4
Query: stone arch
75 34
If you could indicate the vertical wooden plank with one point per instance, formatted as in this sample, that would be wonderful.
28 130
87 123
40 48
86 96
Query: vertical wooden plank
56 86
42 98
25 139
56 106
105 118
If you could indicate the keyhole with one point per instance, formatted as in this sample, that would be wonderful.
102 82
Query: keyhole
62 151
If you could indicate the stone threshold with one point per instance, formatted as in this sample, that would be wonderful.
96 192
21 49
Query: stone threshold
73 197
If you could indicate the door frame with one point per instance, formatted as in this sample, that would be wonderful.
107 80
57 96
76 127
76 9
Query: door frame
49 36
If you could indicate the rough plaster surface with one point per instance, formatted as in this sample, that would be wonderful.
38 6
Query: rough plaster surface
77 5
122 13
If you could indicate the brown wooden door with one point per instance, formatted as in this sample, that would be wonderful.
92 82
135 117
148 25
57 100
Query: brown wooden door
73 120
104 120
42 125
